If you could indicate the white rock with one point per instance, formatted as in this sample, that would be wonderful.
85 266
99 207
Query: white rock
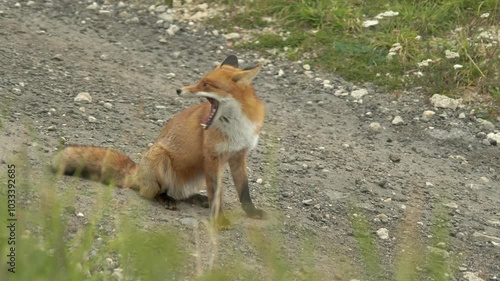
383 233
309 73
83 96
398 120
281 72
357 94
166 17
340 93
79 215
427 115
17 5
232 35
328 86
493 138
451 205
461 115
160 9
306 67
30 3
472 276
445 102
133 20
92 119
307 202
170 75
203 6
192 222
259 181
121 4
108 105
172 29
93 6
375 127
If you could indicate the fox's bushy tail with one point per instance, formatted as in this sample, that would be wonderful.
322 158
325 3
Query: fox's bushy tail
96 163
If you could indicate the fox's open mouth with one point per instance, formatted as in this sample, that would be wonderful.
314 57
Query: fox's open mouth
214 106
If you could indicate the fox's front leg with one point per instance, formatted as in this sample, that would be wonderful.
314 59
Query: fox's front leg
238 166
213 177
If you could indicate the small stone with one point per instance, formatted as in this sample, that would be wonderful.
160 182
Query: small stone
203 6
160 8
17 5
133 20
166 17
397 120
441 245
259 181
232 36
493 139
307 202
375 127
117 274
427 115
451 205
30 3
104 12
357 94
108 105
281 72
92 119
82 109
461 115
93 6
191 222
395 157
79 215
121 4
170 75
83 96
51 128
485 124
383 233
445 102
172 30
472 276
306 67
57 57
383 218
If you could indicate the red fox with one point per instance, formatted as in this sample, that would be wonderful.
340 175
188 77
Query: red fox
193 146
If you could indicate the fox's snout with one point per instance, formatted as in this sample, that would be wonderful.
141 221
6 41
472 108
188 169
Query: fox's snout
179 91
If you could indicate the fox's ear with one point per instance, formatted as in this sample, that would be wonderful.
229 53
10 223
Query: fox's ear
231 60
246 76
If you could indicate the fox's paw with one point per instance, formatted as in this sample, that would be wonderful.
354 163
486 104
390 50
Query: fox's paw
256 214
167 201
198 199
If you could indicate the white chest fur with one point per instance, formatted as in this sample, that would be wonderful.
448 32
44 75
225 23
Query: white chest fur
239 130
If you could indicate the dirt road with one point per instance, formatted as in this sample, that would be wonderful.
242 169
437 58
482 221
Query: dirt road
322 165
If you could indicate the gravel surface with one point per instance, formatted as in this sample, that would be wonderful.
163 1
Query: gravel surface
79 72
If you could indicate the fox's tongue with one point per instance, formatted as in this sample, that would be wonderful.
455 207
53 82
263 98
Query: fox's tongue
214 106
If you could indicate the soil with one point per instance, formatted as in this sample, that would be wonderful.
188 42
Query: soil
318 168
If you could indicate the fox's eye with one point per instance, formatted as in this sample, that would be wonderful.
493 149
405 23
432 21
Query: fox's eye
205 84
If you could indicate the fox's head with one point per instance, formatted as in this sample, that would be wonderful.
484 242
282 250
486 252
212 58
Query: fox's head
225 87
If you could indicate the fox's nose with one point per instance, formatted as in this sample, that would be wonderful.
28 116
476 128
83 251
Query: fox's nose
179 91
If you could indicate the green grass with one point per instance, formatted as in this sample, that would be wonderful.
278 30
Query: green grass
329 34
